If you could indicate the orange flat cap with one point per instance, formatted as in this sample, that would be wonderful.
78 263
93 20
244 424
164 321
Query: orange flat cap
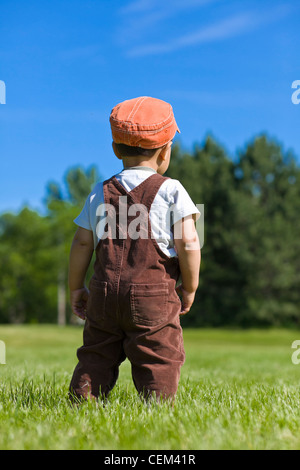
143 122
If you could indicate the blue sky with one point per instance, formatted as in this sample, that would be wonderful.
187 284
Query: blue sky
226 66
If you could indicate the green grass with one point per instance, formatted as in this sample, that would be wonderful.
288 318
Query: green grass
238 390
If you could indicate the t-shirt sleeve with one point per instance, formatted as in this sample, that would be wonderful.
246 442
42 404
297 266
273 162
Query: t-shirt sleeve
182 204
83 219
88 218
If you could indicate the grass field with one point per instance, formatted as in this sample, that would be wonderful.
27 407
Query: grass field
238 390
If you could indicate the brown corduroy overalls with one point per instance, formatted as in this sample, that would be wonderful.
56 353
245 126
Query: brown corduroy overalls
133 309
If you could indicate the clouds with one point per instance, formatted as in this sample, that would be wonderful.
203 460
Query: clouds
168 7
143 17
217 31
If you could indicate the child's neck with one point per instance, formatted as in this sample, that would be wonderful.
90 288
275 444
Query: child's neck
129 162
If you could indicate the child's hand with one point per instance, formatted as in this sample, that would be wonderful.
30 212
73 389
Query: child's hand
187 299
79 298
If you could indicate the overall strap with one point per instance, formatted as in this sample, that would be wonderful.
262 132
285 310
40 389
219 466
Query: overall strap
145 192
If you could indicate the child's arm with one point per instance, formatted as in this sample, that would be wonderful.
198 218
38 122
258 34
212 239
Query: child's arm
189 255
80 257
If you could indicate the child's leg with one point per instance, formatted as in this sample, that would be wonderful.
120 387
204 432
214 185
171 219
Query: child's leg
102 352
98 368
154 346
155 370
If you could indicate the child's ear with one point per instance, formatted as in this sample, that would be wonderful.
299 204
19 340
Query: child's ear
163 152
116 151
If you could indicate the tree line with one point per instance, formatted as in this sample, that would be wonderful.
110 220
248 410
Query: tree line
250 270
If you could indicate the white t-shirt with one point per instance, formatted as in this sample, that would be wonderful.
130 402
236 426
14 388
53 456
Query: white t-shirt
171 204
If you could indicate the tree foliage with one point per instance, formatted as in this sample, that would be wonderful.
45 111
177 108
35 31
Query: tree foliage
34 252
250 269
250 259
